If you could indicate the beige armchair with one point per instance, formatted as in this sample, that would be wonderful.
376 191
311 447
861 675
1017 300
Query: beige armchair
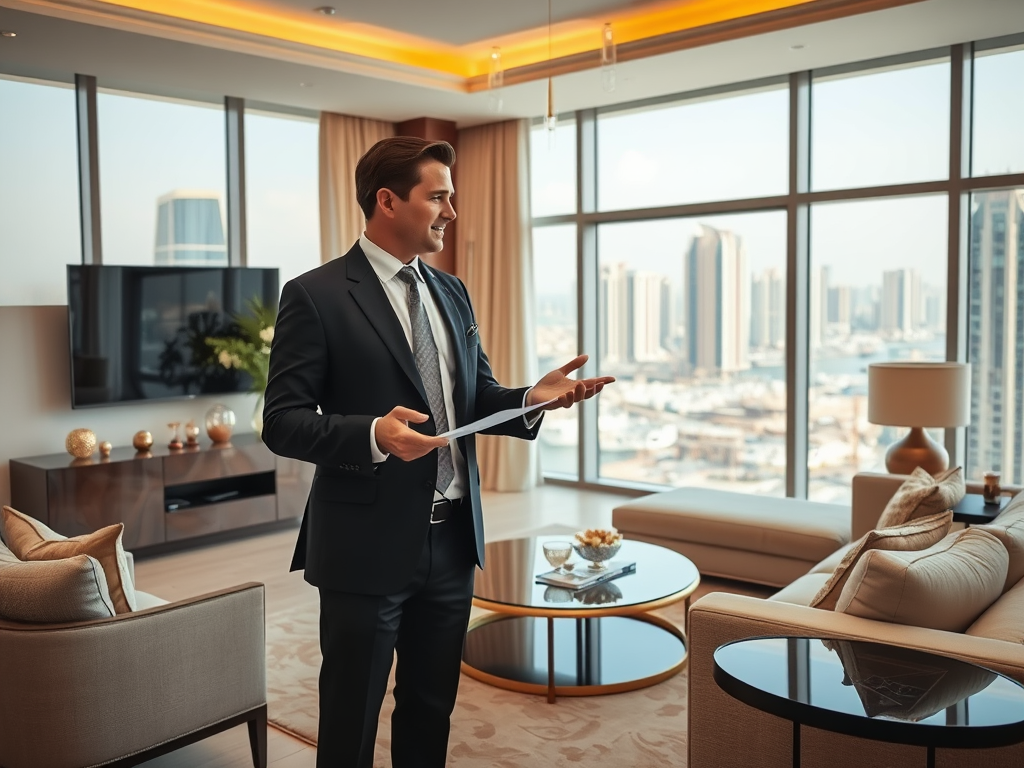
123 690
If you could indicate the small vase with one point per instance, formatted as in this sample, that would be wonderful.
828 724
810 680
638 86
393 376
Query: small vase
257 417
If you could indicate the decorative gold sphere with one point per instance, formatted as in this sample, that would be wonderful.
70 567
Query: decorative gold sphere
105 449
81 443
142 441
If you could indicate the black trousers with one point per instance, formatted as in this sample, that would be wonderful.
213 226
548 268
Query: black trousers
426 624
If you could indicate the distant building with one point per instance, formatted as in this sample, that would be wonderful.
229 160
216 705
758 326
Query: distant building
768 310
818 301
717 296
902 310
649 292
635 310
190 230
840 308
615 310
995 339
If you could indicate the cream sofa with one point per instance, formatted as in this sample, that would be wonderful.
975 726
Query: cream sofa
724 733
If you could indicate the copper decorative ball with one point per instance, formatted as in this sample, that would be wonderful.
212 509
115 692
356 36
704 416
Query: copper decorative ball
142 441
81 443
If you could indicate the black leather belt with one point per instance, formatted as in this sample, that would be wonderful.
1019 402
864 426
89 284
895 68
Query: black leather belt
444 509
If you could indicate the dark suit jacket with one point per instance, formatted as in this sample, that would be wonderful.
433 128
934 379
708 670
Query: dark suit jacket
339 345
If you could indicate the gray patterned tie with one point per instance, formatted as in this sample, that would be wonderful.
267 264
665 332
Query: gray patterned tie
427 364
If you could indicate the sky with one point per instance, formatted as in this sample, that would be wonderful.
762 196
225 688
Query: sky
875 128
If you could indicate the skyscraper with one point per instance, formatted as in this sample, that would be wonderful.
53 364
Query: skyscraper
768 310
649 292
717 290
902 309
635 315
840 308
995 340
616 312
819 306
190 230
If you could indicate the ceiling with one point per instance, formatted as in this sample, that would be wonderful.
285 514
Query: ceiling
132 49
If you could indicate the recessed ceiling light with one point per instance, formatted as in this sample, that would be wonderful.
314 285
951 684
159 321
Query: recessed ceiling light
8 33
306 85
326 10
797 47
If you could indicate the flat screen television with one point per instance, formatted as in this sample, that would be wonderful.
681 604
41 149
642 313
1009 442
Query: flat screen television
138 333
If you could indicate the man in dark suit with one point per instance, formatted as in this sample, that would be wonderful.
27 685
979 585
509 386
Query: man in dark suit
374 354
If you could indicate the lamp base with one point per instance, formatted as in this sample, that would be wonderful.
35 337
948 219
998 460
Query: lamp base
917 449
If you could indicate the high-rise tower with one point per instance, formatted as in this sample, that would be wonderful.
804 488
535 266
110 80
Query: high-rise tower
190 230
717 290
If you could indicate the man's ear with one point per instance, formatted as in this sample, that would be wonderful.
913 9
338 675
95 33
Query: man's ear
386 202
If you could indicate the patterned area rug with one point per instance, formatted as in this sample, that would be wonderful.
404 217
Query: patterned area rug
492 727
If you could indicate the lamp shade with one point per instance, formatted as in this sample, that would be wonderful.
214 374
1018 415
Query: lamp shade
919 394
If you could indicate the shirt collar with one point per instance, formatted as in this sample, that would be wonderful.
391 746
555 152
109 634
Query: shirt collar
384 264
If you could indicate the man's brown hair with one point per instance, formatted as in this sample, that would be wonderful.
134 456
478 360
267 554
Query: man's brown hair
394 164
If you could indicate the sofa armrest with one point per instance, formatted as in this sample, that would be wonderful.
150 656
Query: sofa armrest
129 682
718 618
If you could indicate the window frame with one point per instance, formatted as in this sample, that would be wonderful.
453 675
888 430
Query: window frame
956 187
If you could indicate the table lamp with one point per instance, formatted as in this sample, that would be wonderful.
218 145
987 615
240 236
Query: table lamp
918 395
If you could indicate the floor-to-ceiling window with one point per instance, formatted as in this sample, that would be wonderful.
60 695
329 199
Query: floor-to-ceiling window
39 210
884 199
160 165
995 298
282 192
162 180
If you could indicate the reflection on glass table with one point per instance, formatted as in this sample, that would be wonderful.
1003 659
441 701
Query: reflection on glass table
873 691
549 640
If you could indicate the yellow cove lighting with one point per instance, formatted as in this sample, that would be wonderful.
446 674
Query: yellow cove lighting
523 49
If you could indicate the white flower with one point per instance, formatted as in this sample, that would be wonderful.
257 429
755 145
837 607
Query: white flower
224 358
267 334
264 350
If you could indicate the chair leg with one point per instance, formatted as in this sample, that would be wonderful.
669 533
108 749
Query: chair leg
258 737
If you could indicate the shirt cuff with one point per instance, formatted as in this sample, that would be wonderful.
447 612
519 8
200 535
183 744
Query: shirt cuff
376 453
531 419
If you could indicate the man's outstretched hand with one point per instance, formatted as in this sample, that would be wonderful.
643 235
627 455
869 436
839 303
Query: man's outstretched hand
564 391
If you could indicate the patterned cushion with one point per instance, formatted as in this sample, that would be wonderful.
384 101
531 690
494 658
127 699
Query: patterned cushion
922 495
946 586
916 535
53 591
29 539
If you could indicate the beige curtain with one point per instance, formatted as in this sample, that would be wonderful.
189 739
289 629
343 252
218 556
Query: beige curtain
494 258
343 140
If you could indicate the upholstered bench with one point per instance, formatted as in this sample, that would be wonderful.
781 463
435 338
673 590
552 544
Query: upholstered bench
762 539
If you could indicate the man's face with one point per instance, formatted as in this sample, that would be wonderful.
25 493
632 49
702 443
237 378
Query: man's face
419 222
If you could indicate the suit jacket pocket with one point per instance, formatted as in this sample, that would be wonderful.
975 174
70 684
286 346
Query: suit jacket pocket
345 490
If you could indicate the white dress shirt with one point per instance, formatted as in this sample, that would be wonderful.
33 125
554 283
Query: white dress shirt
387 267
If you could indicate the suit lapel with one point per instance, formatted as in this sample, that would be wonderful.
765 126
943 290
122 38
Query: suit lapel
455 327
368 293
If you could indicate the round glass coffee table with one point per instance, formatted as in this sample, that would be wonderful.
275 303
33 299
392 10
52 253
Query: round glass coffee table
552 641
874 691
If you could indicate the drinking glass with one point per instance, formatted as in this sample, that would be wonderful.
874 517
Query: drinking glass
556 553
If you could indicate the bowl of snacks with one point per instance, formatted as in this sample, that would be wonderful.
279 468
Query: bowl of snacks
597 545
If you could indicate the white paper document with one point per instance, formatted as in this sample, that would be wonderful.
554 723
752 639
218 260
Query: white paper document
494 419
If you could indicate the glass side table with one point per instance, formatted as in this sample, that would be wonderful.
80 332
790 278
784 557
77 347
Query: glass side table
874 691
